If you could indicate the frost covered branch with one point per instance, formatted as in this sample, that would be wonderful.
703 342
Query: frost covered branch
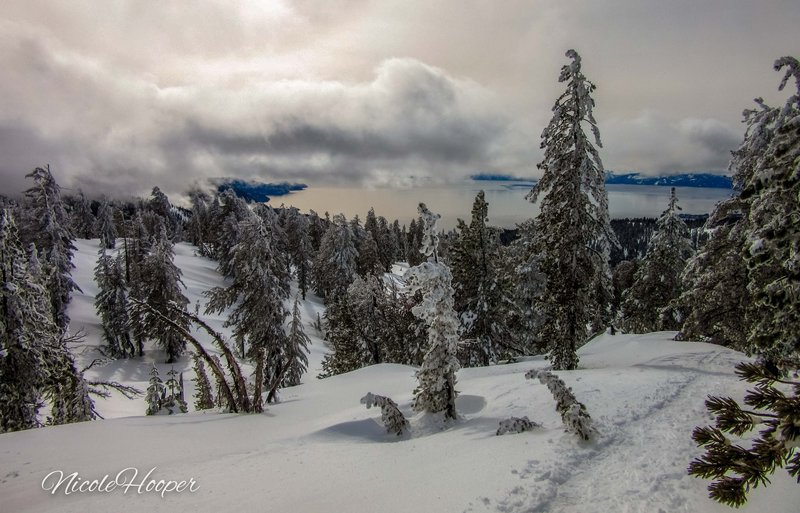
736 469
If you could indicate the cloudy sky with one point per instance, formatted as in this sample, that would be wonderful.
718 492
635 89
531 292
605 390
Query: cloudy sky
120 95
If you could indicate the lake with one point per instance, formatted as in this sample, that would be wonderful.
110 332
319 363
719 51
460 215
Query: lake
507 204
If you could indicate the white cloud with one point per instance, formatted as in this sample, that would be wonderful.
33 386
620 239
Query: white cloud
129 94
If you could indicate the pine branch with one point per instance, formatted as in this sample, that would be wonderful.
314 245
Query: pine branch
762 371
96 361
128 391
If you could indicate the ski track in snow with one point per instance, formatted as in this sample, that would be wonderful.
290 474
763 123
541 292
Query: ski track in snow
647 481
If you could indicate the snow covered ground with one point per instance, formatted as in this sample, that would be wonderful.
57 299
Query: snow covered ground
320 450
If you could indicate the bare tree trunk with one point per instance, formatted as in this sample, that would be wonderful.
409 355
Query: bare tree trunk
257 401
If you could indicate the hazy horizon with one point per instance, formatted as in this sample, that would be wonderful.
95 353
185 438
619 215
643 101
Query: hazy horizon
507 205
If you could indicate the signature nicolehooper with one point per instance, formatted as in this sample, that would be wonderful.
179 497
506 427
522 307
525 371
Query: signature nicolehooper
56 481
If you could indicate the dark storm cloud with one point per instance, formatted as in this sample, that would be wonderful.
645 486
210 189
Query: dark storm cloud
410 118
126 95
714 136
457 144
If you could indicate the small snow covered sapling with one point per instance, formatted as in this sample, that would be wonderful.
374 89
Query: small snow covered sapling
165 397
516 425
174 402
155 392
573 413
391 416
204 397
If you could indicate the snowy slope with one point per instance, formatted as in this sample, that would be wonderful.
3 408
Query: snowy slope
320 450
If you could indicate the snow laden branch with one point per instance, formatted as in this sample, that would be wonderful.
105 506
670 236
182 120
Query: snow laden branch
391 416
735 469
573 413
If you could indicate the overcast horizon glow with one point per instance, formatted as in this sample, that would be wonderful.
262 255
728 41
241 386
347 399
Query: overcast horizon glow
120 96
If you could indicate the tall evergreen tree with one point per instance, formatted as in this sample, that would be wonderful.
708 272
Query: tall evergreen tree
198 225
298 234
48 226
341 327
771 249
255 298
26 327
573 228
369 259
161 288
658 279
82 219
111 304
773 234
105 227
36 363
387 244
159 204
297 348
356 326
336 262
482 293
414 243
436 377
66 388
136 246
522 267
371 227
715 300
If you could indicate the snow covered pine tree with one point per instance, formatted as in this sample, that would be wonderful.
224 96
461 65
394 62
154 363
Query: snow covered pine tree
773 259
111 304
715 300
254 301
483 292
436 390
658 278
47 225
161 288
297 343
573 231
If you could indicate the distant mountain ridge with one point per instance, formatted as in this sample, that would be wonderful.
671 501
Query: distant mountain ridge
259 192
683 180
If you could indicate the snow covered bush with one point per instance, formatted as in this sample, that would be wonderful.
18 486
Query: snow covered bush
573 413
391 416
733 468
516 425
